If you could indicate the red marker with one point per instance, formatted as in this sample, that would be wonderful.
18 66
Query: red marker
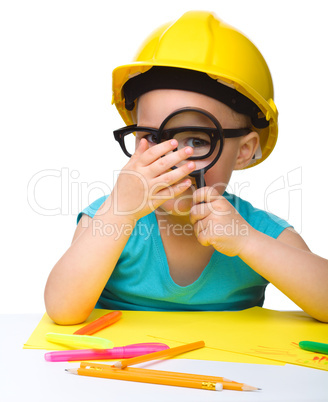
100 323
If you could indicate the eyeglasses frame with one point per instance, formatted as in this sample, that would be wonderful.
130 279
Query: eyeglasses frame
216 134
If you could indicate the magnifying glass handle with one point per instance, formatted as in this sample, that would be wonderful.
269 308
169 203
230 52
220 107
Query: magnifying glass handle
200 181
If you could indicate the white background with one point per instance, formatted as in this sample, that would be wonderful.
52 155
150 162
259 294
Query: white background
57 149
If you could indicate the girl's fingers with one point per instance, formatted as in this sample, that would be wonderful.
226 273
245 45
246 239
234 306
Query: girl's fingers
171 192
161 158
199 212
171 159
155 152
206 194
173 176
142 147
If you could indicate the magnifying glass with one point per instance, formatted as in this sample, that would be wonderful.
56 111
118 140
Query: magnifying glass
192 127
199 130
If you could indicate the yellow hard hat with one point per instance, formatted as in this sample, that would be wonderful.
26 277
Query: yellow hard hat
200 42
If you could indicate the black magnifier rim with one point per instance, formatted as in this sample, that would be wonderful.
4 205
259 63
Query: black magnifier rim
219 131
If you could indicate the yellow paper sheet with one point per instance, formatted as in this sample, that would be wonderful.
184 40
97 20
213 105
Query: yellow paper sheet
257 332
255 335
134 327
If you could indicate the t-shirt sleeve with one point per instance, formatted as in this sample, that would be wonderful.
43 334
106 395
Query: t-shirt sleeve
269 223
92 209
261 220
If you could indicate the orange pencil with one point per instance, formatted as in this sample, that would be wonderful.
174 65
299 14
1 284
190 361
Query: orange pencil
161 354
100 323
226 383
104 367
140 377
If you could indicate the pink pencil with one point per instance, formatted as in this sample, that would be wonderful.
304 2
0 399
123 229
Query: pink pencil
123 352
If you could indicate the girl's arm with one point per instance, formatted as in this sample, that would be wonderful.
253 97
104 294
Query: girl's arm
286 262
77 280
290 266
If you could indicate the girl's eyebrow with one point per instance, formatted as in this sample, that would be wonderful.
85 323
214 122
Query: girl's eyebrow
140 134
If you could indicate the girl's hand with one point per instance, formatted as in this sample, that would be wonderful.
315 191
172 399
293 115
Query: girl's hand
146 181
217 223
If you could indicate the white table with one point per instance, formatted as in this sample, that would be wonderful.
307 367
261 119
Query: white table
26 376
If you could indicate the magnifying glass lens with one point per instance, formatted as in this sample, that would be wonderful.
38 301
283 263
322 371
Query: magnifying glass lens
199 141
193 128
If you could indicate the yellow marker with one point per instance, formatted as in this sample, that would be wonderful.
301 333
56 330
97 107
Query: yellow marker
80 341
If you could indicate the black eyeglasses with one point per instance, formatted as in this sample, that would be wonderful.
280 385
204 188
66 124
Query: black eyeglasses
203 133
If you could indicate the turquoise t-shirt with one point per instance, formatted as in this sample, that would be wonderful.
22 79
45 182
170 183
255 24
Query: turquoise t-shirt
141 279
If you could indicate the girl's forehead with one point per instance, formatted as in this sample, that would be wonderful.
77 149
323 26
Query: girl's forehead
190 118
154 106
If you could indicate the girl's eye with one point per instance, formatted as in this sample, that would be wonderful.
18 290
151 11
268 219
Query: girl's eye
151 138
196 143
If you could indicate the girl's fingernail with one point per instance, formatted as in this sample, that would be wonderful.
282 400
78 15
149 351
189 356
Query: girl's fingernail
188 151
191 165
174 143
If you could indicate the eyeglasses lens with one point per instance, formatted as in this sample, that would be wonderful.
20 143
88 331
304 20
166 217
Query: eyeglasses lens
130 143
132 139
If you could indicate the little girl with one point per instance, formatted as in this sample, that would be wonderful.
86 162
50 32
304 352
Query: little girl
198 101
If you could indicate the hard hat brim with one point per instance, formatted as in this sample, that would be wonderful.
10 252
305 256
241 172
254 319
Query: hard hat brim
268 136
